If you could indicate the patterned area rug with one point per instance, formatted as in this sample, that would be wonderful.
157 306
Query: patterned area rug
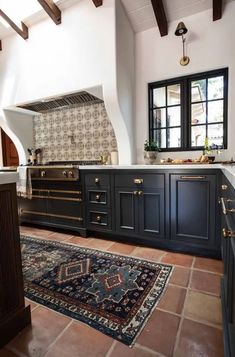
114 294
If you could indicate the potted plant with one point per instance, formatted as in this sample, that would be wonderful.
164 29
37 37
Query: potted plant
150 151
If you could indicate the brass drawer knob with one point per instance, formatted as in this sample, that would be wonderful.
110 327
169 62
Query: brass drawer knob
135 193
228 234
97 197
97 180
98 218
140 193
224 187
138 181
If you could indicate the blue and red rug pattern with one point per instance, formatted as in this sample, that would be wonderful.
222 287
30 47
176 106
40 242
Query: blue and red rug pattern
112 293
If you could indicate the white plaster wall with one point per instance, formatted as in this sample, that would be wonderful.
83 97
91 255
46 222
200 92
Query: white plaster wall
210 45
78 54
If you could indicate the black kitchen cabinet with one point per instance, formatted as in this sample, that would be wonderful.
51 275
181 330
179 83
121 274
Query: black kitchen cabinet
98 201
139 205
193 210
228 254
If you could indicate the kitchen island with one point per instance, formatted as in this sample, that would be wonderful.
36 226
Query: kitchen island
14 316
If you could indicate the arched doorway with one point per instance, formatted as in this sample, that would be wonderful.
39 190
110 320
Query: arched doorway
9 152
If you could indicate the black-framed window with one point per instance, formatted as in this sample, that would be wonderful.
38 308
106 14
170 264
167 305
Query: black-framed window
184 111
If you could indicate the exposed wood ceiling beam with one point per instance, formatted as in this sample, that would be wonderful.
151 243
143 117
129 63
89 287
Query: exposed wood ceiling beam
24 33
52 10
98 3
160 15
217 9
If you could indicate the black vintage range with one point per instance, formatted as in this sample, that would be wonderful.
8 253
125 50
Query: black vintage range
165 208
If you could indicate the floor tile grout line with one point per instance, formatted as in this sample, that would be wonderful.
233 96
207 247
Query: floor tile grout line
146 349
57 338
182 315
110 351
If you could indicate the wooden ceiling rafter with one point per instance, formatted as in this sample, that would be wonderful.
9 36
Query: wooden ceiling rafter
98 3
160 15
217 9
52 10
23 32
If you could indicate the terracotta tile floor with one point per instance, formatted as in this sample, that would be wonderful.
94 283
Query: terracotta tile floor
186 322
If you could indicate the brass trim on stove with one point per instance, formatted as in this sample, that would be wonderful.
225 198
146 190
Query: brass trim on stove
53 179
57 198
80 219
59 191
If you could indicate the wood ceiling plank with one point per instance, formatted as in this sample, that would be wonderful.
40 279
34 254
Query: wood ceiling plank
24 33
98 3
217 9
52 10
160 15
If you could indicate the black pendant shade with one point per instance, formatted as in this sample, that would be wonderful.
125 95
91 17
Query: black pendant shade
181 29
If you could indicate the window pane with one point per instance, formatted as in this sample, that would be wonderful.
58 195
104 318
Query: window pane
215 111
159 118
160 137
215 134
198 114
174 116
198 135
198 90
173 94
173 138
159 97
216 87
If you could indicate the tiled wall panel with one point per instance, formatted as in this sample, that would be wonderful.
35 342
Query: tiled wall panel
78 133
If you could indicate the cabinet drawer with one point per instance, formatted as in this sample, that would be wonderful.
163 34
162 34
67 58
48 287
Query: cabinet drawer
98 218
97 180
97 197
139 180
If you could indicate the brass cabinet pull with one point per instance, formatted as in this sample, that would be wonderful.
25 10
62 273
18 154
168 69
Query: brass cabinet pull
192 177
224 187
228 234
97 180
135 193
138 181
224 209
140 193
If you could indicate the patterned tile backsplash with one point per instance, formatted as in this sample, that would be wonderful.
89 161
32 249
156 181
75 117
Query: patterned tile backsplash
76 133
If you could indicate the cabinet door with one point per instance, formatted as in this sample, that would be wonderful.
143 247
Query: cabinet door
126 210
193 209
151 213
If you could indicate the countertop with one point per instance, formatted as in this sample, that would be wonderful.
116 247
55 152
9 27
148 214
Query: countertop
8 177
151 167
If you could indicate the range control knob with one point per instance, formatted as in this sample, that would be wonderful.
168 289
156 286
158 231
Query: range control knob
43 173
71 175
65 173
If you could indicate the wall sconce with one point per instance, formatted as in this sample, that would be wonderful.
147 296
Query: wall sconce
181 30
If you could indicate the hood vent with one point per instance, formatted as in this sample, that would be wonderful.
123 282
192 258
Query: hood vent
65 101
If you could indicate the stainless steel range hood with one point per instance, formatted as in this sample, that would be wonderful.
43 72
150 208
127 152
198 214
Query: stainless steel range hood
59 102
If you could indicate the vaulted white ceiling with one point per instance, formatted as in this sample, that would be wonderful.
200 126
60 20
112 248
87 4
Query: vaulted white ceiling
141 15
139 12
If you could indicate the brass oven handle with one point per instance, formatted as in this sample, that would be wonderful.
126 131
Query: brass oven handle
97 180
228 234
192 177
138 181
